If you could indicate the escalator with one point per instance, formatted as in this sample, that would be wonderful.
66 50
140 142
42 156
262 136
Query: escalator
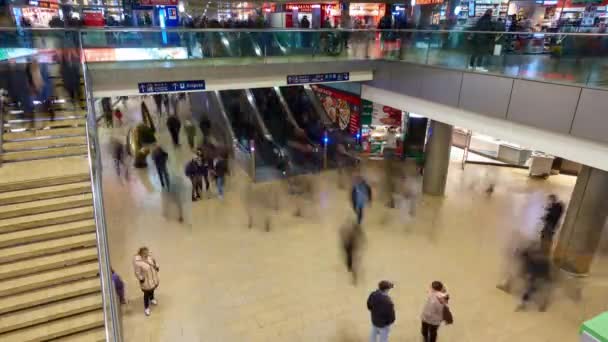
310 115
248 128
302 153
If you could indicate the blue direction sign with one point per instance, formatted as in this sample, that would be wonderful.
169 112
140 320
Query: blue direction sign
160 87
318 78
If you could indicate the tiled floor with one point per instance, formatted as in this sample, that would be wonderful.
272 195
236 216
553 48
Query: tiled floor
221 281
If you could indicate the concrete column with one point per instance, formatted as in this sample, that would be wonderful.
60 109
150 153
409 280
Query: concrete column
585 219
437 158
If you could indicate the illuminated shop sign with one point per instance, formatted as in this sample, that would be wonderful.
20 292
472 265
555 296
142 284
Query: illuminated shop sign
308 7
429 2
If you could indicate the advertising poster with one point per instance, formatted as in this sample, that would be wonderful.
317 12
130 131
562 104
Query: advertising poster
343 109
385 115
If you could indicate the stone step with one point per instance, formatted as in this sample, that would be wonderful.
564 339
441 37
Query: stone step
43 182
44 133
18 113
46 219
47 262
57 329
37 249
45 122
50 294
94 335
20 237
45 279
37 194
24 145
44 314
45 206
54 152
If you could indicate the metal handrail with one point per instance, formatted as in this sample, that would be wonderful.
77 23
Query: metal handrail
271 30
111 307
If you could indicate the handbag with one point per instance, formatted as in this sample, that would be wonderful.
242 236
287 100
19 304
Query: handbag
447 315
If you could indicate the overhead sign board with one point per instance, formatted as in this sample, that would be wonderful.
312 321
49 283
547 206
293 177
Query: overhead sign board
161 87
318 78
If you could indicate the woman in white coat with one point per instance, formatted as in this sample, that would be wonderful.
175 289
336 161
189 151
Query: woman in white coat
146 272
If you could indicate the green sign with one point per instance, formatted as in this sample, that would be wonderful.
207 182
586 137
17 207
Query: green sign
366 112
586 1
596 329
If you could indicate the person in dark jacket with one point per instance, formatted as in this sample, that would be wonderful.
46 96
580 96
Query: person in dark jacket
361 195
482 41
160 158
537 275
220 168
553 213
158 100
174 125
194 171
382 312
352 241
106 106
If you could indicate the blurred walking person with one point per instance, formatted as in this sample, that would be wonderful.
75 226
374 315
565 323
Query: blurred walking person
146 271
382 312
70 73
158 100
190 130
361 195
433 312
220 168
553 213
174 125
537 275
118 155
194 171
106 106
119 287
352 242
482 41
160 158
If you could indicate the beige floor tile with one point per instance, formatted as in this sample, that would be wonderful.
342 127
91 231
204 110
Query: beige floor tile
221 281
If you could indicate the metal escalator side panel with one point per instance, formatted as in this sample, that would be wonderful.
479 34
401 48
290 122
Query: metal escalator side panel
318 107
220 105
285 107
257 115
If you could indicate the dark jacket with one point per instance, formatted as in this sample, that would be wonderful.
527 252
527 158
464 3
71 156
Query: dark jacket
304 23
220 168
195 168
160 157
362 186
382 309
173 123
552 215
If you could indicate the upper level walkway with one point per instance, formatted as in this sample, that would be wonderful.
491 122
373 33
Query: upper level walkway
565 58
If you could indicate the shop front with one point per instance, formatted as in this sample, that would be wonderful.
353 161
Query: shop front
366 15
318 14
36 13
382 127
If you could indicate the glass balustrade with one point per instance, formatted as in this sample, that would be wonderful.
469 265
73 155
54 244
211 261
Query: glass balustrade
64 56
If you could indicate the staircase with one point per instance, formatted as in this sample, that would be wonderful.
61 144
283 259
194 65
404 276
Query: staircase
43 137
49 271
49 285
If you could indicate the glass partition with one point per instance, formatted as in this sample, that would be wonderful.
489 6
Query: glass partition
553 57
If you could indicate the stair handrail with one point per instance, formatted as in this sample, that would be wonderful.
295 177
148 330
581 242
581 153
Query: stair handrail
111 307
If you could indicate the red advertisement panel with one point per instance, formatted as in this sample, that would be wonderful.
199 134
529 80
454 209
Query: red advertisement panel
343 109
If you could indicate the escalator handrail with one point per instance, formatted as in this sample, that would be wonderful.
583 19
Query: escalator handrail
290 116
